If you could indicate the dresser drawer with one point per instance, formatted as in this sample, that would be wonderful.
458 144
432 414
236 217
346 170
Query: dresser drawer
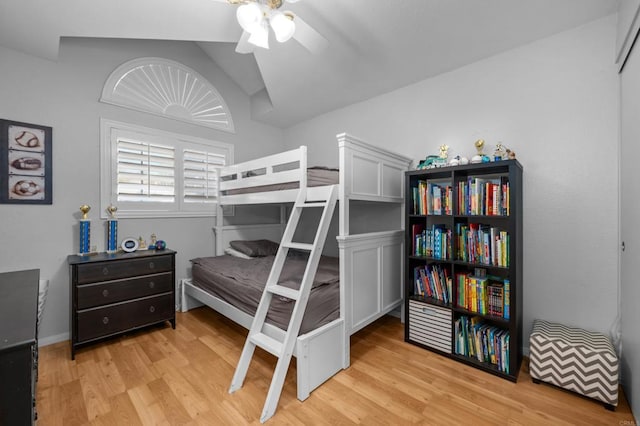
106 271
430 325
97 294
98 322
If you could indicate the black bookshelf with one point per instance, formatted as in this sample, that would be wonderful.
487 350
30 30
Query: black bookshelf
431 316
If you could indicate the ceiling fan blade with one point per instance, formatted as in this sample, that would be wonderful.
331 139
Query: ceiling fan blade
243 45
308 37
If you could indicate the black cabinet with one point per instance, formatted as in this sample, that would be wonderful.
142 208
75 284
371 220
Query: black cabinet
18 346
463 264
115 293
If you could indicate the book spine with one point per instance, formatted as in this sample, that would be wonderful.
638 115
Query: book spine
507 299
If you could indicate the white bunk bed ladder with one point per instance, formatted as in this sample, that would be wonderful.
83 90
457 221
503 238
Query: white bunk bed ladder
324 197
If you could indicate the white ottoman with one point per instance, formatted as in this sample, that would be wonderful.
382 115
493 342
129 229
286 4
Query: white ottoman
578 360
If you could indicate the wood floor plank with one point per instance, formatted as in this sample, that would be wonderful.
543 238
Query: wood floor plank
147 406
61 405
162 376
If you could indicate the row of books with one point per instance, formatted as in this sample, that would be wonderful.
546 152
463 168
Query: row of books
432 199
485 244
482 341
484 196
434 241
484 295
432 281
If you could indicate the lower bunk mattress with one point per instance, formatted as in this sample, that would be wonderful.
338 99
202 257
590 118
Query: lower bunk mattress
240 282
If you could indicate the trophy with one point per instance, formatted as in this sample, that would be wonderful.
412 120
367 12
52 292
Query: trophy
85 230
112 230
478 158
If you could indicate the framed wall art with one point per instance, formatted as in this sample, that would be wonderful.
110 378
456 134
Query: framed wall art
25 163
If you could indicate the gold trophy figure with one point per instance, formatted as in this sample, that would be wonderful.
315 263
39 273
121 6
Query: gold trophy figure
85 211
479 144
85 230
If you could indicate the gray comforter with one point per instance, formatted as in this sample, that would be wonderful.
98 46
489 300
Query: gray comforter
240 282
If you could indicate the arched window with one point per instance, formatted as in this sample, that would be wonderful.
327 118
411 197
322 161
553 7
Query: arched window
169 89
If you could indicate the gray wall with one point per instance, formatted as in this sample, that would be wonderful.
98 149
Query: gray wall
555 103
64 95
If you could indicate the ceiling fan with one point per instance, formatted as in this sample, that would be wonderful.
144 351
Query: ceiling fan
256 17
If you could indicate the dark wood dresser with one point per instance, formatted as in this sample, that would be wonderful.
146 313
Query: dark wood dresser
18 346
112 294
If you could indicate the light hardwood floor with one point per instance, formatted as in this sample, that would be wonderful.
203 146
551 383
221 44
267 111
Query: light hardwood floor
162 376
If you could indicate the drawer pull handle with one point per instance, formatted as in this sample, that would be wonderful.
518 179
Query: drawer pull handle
152 309
105 293
151 265
105 271
105 320
152 284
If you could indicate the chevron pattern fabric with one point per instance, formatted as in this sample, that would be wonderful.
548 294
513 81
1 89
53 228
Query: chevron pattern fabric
574 359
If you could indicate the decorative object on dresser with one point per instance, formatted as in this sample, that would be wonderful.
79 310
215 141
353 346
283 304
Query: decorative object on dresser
112 230
18 346
129 245
463 282
112 294
85 230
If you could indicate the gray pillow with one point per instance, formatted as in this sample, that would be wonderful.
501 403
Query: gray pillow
255 248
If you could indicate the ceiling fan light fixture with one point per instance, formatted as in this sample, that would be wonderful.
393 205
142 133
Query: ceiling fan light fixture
282 25
260 35
249 16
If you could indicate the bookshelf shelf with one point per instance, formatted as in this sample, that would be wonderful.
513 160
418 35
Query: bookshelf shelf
463 264
431 301
477 265
492 318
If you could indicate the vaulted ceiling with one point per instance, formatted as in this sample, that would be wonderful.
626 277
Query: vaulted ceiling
374 46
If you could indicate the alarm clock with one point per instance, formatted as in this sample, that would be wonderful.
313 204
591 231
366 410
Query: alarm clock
129 245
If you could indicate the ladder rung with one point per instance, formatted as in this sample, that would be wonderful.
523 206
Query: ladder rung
281 290
315 204
267 343
299 246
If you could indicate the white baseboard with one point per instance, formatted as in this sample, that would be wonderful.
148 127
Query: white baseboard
50 340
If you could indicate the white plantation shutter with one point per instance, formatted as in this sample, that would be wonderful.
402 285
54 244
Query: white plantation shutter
145 172
152 173
199 178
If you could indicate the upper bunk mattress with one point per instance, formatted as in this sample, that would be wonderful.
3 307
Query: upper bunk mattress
316 176
240 282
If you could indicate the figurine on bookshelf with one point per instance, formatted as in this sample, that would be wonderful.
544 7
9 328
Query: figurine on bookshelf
511 155
427 163
479 144
500 153
455 161
444 151
433 161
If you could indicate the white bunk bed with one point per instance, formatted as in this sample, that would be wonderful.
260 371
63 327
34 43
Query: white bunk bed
371 271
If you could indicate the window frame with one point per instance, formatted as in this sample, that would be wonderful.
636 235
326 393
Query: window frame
111 130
